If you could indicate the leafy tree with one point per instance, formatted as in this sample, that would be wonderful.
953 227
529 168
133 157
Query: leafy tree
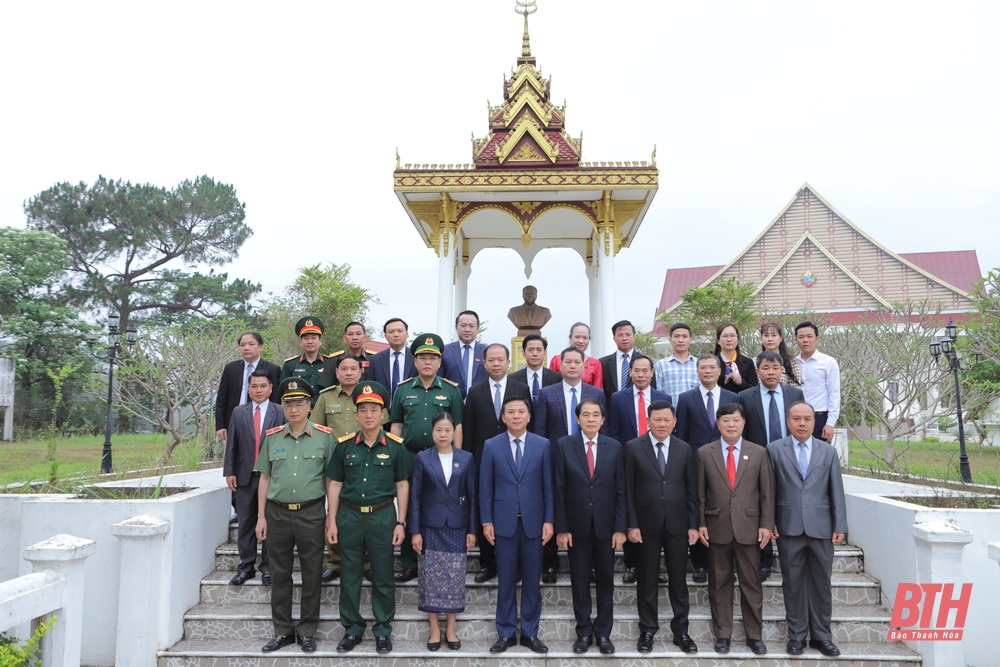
130 246
704 308
984 331
29 260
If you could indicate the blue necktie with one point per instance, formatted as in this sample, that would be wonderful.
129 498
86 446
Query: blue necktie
465 367
710 410
395 375
574 426
624 381
496 399
246 394
773 420
534 387
517 455
803 461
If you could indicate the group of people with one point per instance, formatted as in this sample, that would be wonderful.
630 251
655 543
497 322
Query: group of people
438 448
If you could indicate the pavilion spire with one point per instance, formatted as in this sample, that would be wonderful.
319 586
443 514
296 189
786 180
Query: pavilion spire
525 7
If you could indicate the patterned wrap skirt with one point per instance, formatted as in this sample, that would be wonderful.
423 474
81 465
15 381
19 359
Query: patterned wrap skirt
441 567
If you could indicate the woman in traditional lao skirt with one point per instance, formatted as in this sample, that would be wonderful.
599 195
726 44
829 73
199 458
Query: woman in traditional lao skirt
444 522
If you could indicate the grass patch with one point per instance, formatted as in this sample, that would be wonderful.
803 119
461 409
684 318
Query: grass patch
937 460
80 456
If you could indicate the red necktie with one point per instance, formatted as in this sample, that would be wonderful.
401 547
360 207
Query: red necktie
590 457
256 433
642 415
731 466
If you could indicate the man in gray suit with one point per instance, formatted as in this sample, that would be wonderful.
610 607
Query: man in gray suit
247 426
811 517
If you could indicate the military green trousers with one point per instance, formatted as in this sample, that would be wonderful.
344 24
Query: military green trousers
358 533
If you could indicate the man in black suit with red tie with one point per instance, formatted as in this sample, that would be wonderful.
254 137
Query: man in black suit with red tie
234 385
590 520
481 421
662 513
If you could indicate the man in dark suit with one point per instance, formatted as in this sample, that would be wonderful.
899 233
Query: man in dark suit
696 425
462 360
247 427
395 364
481 420
234 385
555 418
616 366
736 510
662 504
590 520
811 517
766 407
517 508
534 374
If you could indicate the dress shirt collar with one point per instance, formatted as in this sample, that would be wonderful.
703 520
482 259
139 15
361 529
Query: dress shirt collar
736 452
764 390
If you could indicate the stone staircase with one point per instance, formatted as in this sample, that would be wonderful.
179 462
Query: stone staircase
231 623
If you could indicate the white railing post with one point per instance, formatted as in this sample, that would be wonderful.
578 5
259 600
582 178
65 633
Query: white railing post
64 555
939 561
139 600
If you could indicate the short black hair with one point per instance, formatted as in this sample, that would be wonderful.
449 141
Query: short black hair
467 312
562 355
640 357
591 401
802 403
804 325
730 409
768 355
506 351
660 405
531 337
707 355
260 373
256 336
347 355
619 324
351 324
679 325
512 399
394 319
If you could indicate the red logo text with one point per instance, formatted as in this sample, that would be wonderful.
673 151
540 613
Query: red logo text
913 612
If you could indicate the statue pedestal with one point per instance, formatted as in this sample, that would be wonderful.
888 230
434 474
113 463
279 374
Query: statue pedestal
517 361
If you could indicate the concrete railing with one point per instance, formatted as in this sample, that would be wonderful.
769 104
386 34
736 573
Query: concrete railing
54 588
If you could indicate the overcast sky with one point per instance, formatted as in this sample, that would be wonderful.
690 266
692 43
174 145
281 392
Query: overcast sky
888 109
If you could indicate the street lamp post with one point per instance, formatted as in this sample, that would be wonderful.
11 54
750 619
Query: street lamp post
114 349
946 347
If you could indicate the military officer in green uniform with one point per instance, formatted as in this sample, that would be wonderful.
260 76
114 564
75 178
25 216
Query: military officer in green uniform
310 365
291 512
335 408
355 338
370 469
414 404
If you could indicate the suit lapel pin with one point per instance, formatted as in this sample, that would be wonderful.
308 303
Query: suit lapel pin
746 458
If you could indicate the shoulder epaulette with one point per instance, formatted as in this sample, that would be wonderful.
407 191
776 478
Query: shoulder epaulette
370 352
294 356
335 354
393 436
328 388
451 382
345 438
402 382
325 429
276 429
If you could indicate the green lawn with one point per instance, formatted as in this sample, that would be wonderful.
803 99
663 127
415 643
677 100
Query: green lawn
938 460
81 455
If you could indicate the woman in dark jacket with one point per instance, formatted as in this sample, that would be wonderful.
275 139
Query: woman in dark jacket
738 370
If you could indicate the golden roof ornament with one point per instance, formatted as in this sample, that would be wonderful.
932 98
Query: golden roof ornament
525 7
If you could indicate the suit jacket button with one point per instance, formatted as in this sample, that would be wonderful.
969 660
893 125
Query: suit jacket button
733 511
519 486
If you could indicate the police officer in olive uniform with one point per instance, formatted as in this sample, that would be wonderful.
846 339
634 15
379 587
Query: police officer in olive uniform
311 366
291 513
369 469
414 404
355 337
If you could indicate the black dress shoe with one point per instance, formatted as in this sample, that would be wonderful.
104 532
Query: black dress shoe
329 575
535 644
406 575
700 575
485 574
824 646
308 644
582 643
265 579
795 646
241 578
645 643
605 646
686 643
765 572
629 576
368 575
433 646
453 645
757 646
549 575
383 644
502 644
279 641
722 646
348 643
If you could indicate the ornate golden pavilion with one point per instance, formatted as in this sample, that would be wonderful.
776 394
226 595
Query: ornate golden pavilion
527 189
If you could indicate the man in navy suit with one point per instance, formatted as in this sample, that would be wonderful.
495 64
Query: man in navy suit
517 508
555 418
462 360
247 427
766 407
616 366
696 410
628 421
590 520
392 366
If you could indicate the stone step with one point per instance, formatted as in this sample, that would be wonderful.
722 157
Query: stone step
409 653
848 589
855 623
846 558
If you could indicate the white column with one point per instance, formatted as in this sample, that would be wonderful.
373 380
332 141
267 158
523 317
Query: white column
595 307
446 285
461 286
65 555
609 306
139 600
993 551
939 561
